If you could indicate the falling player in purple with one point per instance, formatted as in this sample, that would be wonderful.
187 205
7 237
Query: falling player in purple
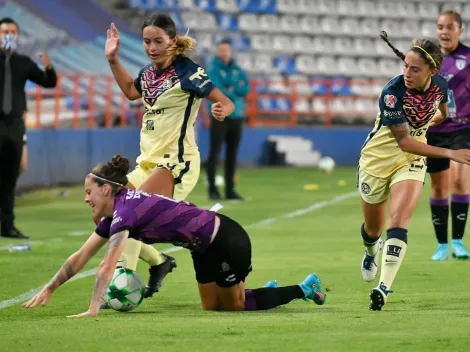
448 176
220 247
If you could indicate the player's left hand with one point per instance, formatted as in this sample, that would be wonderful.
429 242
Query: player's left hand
88 313
218 111
45 59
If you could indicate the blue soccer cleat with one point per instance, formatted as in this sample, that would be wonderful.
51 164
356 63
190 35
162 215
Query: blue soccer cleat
272 284
441 252
459 251
312 289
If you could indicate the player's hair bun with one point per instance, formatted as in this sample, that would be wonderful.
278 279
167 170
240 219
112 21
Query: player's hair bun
120 164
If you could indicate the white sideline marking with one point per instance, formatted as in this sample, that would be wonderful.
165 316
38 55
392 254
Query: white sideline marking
314 207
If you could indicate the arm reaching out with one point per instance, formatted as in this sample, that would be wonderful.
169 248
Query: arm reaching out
105 272
125 82
401 132
71 266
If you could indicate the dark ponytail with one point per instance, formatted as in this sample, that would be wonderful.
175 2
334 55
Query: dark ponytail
397 52
428 50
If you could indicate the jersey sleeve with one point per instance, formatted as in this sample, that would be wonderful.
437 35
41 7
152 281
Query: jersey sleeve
391 107
137 81
103 227
196 80
444 87
123 219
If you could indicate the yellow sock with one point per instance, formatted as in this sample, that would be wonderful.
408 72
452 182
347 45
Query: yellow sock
130 254
149 254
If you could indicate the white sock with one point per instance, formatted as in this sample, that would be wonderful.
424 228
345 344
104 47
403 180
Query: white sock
392 256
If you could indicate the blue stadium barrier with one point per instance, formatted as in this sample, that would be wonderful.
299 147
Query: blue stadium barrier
66 156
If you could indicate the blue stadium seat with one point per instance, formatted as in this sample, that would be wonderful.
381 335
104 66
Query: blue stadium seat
285 64
207 5
257 6
227 22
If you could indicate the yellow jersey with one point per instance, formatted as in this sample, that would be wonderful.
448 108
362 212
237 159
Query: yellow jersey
380 155
171 98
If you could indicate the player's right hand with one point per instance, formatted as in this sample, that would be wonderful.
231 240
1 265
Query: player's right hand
42 297
218 111
461 156
112 42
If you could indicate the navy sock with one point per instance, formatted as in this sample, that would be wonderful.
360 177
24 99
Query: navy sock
270 297
459 211
440 218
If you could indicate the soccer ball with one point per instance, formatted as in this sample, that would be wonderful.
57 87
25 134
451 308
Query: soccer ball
326 164
126 290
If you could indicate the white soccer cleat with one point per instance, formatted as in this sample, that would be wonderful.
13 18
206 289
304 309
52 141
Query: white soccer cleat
369 263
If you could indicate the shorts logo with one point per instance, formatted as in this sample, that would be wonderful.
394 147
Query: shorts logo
365 188
224 267
390 101
231 278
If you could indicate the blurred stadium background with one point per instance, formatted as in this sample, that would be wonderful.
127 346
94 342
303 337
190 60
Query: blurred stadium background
316 68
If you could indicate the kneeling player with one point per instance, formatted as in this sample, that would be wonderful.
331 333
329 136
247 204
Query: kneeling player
220 247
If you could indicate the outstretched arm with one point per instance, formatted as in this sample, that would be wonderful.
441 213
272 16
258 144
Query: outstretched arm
71 266
105 272
401 132
125 82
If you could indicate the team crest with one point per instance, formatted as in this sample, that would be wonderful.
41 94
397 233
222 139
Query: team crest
167 84
460 63
365 188
390 101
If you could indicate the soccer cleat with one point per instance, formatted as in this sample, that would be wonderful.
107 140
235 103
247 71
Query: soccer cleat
369 263
157 274
441 252
458 250
272 284
378 297
312 289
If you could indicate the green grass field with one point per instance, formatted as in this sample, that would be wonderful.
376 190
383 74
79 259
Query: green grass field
429 311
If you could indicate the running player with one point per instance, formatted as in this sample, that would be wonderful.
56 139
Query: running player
171 87
220 247
392 164
448 176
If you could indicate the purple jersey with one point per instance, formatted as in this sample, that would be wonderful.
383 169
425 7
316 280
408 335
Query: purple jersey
456 70
152 218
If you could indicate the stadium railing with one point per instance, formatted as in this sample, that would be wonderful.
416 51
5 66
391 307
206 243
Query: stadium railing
87 101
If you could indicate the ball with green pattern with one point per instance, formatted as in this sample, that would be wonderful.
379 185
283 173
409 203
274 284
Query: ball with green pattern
126 290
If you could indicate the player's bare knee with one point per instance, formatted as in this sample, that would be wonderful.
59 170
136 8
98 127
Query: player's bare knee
460 185
233 306
209 306
439 191
399 219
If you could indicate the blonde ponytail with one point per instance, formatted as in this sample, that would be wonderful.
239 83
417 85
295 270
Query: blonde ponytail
182 45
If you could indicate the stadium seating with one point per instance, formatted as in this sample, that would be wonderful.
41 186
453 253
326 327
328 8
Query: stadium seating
278 41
